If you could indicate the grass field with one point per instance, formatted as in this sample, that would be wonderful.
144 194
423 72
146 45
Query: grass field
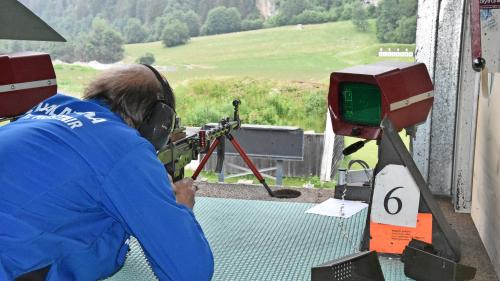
72 79
285 53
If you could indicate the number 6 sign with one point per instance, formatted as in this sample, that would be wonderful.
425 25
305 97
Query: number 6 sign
396 197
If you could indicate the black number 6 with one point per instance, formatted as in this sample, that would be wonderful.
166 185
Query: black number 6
388 197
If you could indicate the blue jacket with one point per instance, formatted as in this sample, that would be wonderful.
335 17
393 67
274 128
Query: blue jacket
75 183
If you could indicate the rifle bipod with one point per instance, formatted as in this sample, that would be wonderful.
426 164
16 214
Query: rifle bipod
281 193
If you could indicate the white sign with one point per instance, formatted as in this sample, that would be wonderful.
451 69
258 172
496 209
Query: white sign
396 197
337 208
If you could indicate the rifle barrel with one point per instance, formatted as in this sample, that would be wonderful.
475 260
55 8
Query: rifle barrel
221 130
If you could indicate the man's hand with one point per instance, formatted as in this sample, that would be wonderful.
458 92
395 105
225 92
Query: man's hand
184 192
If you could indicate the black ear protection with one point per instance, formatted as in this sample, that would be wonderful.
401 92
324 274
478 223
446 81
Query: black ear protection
159 121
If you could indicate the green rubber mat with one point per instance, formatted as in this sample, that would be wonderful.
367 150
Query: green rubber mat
264 240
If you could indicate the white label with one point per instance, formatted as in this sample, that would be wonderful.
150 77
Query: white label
337 208
396 197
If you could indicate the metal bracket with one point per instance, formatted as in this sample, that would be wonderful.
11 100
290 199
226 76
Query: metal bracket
393 151
423 263
363 266
353 192
278 168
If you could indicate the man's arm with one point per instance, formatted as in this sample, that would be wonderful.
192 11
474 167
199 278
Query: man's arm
184 192
138 194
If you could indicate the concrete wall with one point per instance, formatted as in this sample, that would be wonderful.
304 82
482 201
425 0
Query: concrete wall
438 45
486 179
467 104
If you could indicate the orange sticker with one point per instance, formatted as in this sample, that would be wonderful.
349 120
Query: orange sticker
391 239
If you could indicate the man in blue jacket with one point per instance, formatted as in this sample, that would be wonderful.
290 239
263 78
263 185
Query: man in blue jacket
77 179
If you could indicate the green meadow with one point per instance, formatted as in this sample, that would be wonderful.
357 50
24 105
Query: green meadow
287 53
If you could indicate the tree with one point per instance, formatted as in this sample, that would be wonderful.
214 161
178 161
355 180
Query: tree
244 7
335 13
192 21
346 12
310 17
249 24
147 58
276 20
291 8
157 28
175 33
397 21
134 31
387 20
325 4
189 18
63 51
371 11
222 20
407 29
408 8
103 44
359 16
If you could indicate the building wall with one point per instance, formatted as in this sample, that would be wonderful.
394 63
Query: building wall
486 180
438 45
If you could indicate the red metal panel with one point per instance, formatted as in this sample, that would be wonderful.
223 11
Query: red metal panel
475 22
406 83
25 68
6 73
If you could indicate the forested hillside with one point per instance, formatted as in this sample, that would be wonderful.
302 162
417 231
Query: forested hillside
97 30
70 17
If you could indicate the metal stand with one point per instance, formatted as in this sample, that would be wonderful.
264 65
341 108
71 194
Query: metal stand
243 155
284 193
245 171
393 151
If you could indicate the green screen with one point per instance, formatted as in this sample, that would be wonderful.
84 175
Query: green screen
360 104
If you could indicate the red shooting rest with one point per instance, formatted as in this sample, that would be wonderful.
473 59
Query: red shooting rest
26 79
406 93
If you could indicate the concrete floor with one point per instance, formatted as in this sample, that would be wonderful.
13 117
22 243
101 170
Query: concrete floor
473 251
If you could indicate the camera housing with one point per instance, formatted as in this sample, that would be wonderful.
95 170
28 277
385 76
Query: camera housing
360 97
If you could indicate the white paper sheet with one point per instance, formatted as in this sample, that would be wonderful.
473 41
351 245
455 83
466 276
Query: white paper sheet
337 208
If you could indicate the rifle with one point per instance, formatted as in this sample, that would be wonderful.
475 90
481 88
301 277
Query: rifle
182 149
